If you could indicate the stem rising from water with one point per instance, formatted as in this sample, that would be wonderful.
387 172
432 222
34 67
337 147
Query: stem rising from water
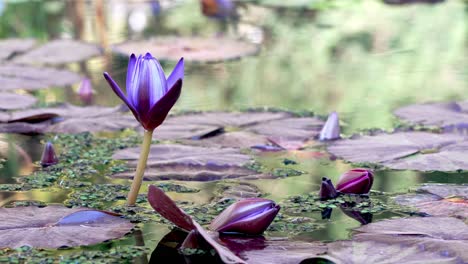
137 180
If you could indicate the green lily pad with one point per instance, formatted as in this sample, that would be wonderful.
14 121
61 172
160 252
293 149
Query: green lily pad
195 49
58 226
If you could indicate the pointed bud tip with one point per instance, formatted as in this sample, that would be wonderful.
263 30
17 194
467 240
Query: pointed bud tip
48 155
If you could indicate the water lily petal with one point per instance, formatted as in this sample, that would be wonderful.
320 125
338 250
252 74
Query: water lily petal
130 70
115 87
159 111
177 73
331 129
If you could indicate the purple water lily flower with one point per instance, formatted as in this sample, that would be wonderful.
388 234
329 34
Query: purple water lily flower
150 95
249 216
85 92
327 190
355 181
331 129
48 155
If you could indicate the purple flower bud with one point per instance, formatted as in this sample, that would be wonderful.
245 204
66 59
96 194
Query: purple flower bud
331 129
150 95
48 156
218 8
356 181
249 216
86 91
327 190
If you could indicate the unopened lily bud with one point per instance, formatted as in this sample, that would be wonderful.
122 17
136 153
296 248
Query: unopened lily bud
327 190
48 156
249 216
355 181
331 129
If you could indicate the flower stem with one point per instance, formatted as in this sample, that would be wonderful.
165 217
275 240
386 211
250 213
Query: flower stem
136 184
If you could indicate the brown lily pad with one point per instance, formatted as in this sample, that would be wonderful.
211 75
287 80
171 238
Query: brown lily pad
59 51
33 78
181 162
67 119
58 226
194 49
407 150
241 130
10 47
12 101
439 200
445 236
382 251
435 114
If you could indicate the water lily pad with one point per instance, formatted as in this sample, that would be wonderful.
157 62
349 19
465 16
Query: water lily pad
258 250
181 162
11 101
289 129
59 51
445 236
362 251
58 226
194 49
9 47
66 119
438 200
435 114
237 191
33 78
236 139
407 150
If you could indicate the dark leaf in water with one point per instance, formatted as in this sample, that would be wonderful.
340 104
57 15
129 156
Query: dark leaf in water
25 77
11 47
12 101
59 51
180 162
58 226
442 238
407 150
194 49
164 205
435 114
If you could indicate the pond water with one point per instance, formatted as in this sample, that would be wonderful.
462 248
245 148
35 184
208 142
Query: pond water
363 59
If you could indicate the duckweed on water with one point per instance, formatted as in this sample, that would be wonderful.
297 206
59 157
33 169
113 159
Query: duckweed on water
121 254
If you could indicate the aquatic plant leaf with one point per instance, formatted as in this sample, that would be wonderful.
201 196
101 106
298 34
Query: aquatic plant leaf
438 200
66 119
59 51
164 205
58 226
435 114
258 250
10 47
236 139
195 49
181 162
445 236
289 129
33 78
12 101
382 251
406 150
